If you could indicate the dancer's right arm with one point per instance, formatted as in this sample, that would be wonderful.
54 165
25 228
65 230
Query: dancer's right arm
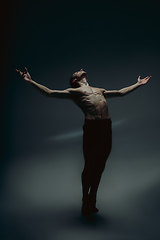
44 90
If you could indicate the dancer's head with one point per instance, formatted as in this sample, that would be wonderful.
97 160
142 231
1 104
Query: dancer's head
78 78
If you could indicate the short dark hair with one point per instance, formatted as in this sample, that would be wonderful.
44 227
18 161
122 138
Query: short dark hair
73 84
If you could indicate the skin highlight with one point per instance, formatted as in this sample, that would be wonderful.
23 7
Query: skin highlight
91 100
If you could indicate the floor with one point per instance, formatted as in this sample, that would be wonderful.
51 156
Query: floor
42 198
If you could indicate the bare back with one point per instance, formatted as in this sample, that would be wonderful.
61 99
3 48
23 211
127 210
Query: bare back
91 101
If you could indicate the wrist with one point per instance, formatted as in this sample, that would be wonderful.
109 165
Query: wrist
30 81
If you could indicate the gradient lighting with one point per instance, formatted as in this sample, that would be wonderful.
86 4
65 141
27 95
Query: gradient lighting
114 42
79 133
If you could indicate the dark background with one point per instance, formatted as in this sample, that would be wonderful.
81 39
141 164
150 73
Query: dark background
41 138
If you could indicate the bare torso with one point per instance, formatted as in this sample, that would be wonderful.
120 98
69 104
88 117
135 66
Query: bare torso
91 101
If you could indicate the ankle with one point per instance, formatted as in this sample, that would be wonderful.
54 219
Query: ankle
94 209
92 199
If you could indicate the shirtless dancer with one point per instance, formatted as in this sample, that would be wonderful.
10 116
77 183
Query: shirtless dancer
97 131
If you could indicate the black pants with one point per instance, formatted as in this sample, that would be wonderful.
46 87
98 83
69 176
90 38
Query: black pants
97 143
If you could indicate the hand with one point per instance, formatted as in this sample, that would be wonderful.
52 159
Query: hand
25 75
144 80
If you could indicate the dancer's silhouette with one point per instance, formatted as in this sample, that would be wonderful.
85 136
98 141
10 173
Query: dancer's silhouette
97 137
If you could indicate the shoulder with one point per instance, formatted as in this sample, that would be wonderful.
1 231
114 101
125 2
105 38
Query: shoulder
102 90
75 91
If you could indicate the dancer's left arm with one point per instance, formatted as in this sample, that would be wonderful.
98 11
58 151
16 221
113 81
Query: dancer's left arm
122 92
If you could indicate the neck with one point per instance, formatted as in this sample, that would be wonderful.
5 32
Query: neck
83 82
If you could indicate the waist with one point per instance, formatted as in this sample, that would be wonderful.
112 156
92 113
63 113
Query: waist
101 122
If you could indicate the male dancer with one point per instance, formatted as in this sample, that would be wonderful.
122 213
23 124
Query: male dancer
97 129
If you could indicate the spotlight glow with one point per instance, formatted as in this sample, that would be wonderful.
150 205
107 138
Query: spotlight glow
79 133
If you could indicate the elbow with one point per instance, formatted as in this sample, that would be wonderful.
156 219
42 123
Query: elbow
120 93
46 93
51 93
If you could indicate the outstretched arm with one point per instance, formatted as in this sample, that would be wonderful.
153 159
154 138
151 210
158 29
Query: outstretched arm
42 89
126 90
